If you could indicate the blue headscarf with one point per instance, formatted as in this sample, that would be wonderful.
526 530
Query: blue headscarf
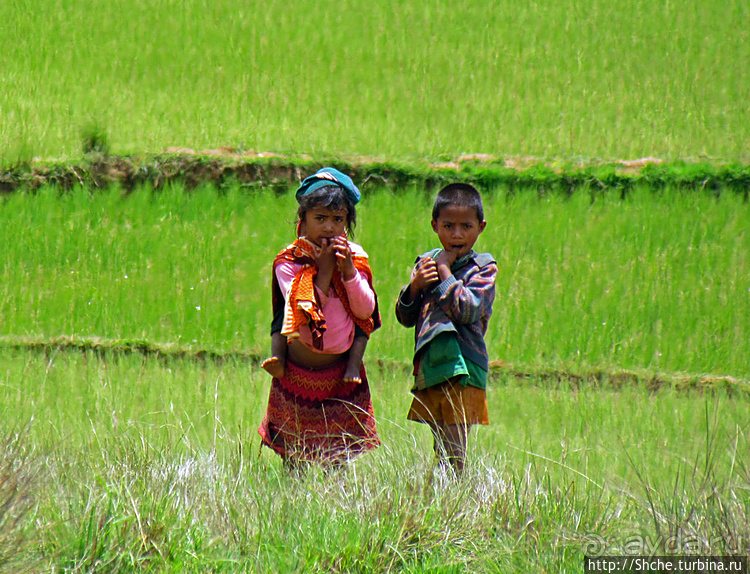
329 176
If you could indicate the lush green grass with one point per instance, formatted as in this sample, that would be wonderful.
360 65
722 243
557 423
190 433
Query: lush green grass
119 462
658 283
564 79
171 268
123 464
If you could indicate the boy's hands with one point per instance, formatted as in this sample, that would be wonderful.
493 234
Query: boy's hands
430 271
425 275
444 260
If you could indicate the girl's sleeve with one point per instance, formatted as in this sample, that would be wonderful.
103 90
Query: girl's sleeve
361 296
469 299
285 274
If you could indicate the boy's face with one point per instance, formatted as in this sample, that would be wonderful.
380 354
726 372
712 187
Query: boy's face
458 228
323 223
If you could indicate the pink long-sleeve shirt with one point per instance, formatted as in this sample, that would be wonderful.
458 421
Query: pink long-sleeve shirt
339 334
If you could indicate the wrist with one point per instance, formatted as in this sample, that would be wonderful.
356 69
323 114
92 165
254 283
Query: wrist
323 278
444 271
411 294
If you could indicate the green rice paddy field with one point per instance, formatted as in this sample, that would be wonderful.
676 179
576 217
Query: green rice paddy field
120 460
132 321
656 283
574 78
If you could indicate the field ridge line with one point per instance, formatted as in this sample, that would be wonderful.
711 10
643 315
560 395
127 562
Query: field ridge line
615 379
230 166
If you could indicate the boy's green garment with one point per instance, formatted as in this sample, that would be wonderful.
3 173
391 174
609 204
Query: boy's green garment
442 360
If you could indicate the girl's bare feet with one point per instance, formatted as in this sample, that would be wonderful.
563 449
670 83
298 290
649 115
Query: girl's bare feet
275 367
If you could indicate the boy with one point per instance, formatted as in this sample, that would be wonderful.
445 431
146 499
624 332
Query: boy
449 301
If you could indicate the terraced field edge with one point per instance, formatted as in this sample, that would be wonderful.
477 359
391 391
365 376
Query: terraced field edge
597 378
228 166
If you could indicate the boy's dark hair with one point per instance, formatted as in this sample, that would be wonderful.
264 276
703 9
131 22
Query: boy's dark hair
461 194
334 198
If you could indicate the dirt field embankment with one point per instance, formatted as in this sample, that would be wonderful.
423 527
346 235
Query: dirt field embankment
228 166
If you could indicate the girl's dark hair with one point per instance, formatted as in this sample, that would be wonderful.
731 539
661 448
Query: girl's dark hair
334 198
461 194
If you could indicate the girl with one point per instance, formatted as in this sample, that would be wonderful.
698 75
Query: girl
319 407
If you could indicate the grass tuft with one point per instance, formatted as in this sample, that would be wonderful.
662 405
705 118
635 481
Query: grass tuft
94 140
20 478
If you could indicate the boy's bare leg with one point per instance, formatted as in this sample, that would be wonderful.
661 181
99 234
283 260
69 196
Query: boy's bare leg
356 354
450 445
276 363
438 441
455 445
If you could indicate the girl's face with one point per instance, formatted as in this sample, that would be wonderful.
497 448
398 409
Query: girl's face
323 223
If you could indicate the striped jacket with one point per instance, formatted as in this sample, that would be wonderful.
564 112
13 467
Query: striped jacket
462 303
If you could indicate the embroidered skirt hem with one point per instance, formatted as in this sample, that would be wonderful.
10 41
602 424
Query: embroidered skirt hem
313 415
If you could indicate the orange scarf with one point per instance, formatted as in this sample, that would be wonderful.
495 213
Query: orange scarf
303 306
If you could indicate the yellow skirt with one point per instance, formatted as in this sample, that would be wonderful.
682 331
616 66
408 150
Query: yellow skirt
450 403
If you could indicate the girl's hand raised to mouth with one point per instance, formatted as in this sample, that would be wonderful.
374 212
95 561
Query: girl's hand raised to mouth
344 257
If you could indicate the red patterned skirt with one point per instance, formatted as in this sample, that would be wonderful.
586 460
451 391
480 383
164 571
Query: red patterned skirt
313 415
